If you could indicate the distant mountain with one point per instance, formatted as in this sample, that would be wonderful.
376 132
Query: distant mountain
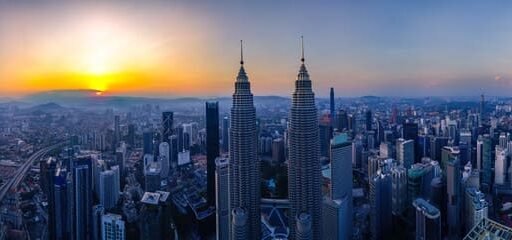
89 99
47 107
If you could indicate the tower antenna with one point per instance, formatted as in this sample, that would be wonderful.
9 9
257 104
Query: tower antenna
241 53
302 48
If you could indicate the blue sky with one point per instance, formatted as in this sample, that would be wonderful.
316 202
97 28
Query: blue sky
396 48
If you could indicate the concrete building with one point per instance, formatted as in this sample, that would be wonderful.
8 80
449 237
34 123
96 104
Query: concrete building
428 220
222 195
112 227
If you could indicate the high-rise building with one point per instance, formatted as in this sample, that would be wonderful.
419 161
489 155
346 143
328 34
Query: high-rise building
325 138
500 165
380 206
173 151
117 131
428 220
147 142
164 159
368 120
419 177
453 188
484 161
278 154
225 134
61 207
222 195
244 165
332 106
82 200
436 146
399 189
48 168
150 223
167 125
481 111
108 194
212 148
476 207
386 150
341 177
405 152
335 218
410 131
112 227
304 168
97 212
152 179
131 135
342 121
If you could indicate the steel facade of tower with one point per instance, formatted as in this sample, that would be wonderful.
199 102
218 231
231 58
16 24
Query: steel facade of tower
304 168
167 122
212 147
244 169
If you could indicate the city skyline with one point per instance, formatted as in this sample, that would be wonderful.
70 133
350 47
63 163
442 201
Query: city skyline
184 49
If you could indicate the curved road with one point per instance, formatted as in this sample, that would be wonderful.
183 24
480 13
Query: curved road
22 170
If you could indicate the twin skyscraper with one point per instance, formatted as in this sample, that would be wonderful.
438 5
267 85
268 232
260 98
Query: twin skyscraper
304 169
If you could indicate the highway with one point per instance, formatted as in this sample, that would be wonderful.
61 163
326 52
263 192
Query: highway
23 169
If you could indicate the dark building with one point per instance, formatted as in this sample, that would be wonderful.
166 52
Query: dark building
82 195
436 147
368 120
131 135
410 132
225 134
325 139
147 142
181 138
117 131
423 146
186 141
60 208
47 179
278 155
380 136
342 122
167 122
428 220
212 147
173 148
332 106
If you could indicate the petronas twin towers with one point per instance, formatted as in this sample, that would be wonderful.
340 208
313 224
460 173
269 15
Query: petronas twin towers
304 170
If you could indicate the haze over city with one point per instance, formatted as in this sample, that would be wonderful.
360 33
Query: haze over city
183 48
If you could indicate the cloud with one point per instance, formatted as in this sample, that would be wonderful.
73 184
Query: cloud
498 78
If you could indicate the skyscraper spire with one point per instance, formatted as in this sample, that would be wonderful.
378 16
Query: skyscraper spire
241 53
302 48
242 76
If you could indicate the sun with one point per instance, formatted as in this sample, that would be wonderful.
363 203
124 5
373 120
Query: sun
98 83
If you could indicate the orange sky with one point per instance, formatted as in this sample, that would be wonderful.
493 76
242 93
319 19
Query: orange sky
114 51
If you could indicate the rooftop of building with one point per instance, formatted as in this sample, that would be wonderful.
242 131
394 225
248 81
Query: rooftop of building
150 198
428 209
477 198
488 229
